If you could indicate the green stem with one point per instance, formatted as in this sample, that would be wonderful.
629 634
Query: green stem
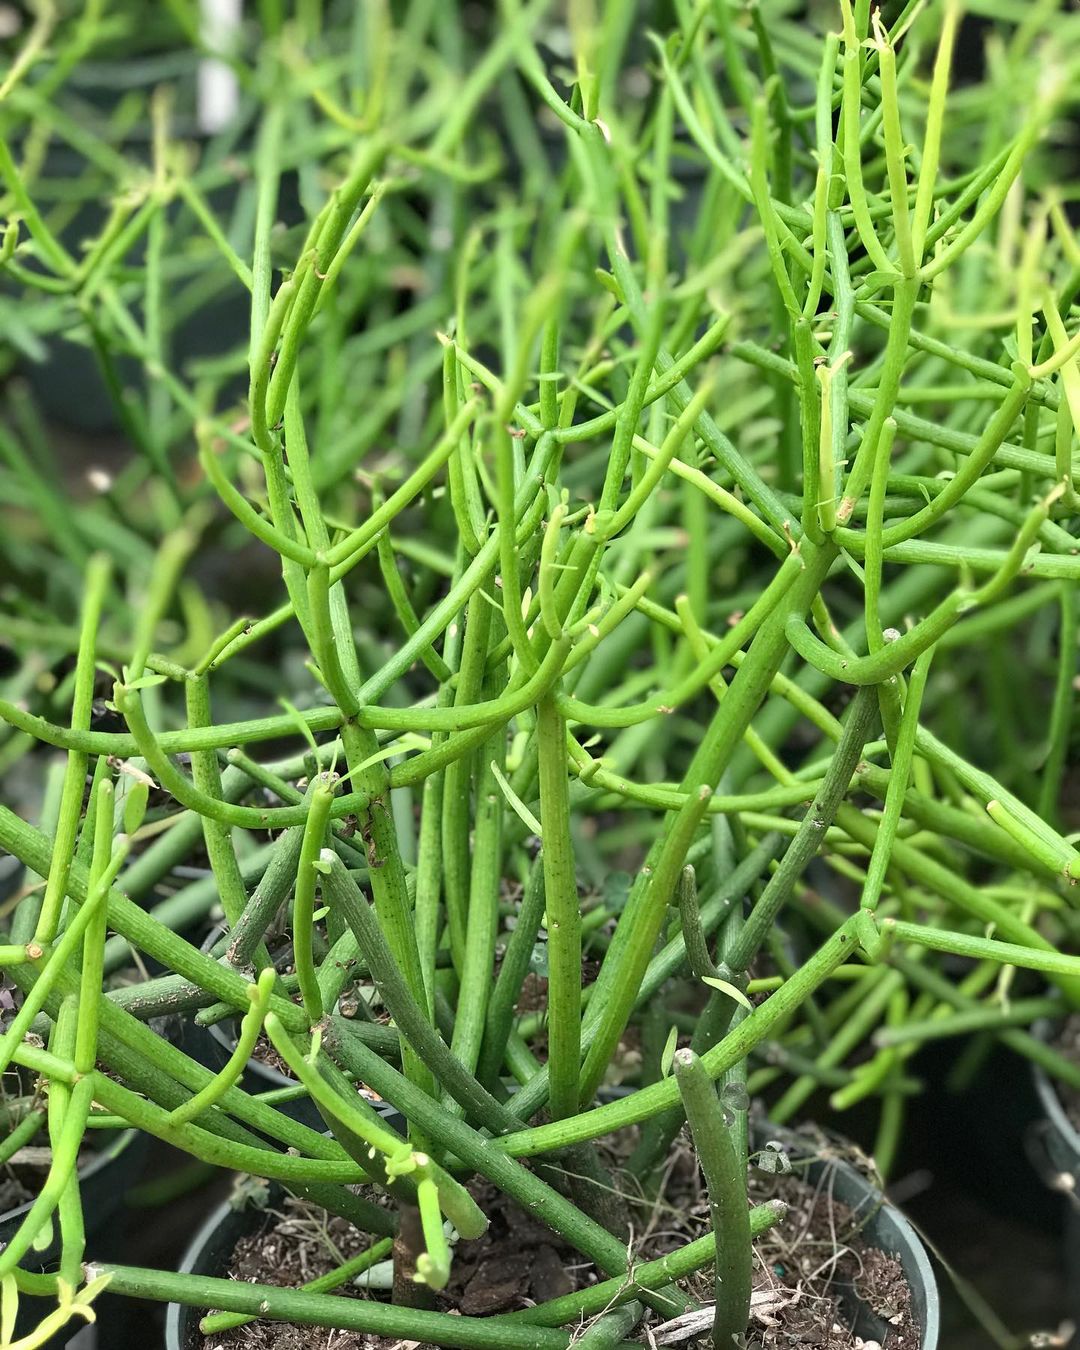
811 832
725 1180
306 1308
736 1045
320 802
97 580
411 1019
563 913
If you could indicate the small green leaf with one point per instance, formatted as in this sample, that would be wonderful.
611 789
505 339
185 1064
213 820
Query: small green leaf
408 740
301 726
517 805
609 283
668 1057
146 682
877 281
9 1308
728 988
44 1237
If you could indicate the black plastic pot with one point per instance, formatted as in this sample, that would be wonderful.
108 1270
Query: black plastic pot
881 1224
208 1254
102 1183
1056 1145
212 1246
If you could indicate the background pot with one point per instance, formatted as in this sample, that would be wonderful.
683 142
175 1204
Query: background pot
218 1043
103 1182
212 1246
1055 1143
882 1225
208 1254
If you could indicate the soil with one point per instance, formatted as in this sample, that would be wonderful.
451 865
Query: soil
265 1053
520 1262
808 1262
292 1246
1067 1040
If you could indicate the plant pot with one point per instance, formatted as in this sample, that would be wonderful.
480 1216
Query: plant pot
882 1225
100 1186
1055 1143
102 1183
209 1251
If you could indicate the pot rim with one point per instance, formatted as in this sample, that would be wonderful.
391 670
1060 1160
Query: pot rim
122 1141
912 1253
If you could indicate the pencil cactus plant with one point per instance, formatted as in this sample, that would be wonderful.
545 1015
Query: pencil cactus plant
573 553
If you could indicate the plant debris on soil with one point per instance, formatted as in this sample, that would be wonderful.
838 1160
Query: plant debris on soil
265 1053
809 1268
291 1246
519 1262
810 1262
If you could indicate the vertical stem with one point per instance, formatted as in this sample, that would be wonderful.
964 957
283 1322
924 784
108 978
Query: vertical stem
1064 700
456 791
94 938
903 755
72 1229
97 576
896 349
216 834
319 804
512 972
725 1178
629 959
563 913
482 921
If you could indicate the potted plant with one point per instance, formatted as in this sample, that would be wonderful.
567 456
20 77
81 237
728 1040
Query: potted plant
557 706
